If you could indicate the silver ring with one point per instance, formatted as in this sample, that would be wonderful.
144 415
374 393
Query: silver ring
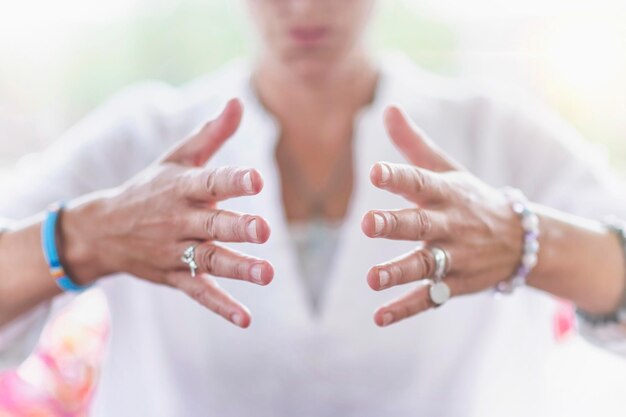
189 258
439 291
442 263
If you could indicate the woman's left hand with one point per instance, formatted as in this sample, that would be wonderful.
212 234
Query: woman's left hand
454 211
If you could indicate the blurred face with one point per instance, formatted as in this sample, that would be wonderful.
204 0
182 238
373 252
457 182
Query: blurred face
310 37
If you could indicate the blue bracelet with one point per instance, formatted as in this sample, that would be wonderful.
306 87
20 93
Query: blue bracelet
51 254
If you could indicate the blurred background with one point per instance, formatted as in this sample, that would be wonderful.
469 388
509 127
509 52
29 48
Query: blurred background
61 59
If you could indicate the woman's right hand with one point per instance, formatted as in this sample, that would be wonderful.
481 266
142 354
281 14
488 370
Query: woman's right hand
143 227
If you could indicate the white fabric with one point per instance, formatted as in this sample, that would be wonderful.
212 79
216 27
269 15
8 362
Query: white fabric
316 243
477 356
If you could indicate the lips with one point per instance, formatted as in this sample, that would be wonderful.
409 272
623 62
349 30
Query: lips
309 36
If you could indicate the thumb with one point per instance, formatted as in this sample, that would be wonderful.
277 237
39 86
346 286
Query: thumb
200 147
416 147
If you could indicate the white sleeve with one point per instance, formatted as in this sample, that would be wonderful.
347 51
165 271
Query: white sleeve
556 167
102 151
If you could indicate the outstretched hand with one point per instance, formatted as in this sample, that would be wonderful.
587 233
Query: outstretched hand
145 226
453 210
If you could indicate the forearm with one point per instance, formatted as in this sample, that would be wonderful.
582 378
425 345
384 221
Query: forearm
579 260
25 279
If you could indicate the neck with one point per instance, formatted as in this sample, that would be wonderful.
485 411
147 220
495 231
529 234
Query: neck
341 91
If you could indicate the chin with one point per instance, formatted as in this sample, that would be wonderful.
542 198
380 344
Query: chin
314 65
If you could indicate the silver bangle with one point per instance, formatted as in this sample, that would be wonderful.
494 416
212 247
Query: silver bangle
618 228
530 247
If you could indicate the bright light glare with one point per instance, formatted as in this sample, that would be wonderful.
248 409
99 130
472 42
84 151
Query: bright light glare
32 26
481 9
585 55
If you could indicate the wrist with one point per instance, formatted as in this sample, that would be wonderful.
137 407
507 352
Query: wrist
613 276
581 260
78 238
526 223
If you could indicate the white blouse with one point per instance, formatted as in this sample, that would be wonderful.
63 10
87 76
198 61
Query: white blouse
476 356
316 243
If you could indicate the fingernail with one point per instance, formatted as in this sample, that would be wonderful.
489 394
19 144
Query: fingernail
384 278
237 319
247 183
385 174
379 223
256 272
251 229
387 319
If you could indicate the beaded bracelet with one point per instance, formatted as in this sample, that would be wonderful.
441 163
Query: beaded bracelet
530 224
51 254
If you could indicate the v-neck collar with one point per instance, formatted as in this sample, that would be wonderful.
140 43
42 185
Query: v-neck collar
288 273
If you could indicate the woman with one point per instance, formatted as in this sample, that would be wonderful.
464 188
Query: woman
317 118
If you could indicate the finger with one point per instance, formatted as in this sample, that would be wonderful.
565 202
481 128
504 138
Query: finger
225 226
415 302
204 290
218 184
222 262
405 224
413 266
200 147
414 144
413 183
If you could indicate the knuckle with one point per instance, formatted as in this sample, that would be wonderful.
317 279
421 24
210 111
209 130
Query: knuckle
426 262
424 223
207 125
238 270
420 181
212 223
234 175
198 294
392 223
239 227
206 299
209 224
209 259
210 182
